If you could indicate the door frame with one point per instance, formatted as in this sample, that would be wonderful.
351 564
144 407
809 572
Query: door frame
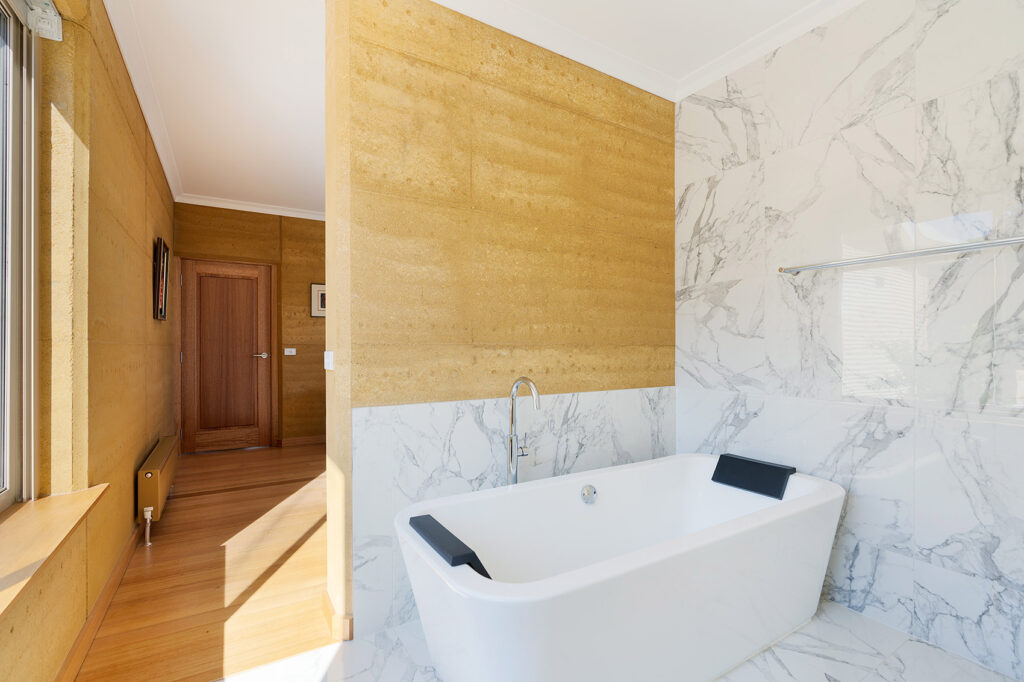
275 362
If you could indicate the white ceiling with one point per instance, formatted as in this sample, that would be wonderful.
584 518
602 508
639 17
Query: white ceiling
668 47
233 90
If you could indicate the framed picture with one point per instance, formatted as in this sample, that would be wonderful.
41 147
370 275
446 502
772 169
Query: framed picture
161 274
318 300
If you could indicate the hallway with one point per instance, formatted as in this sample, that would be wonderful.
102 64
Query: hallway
234 578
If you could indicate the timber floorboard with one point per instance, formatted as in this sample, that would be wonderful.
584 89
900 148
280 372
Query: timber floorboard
234 578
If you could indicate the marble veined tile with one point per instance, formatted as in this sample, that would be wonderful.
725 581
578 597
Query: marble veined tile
856 67
970 513
880 501
845 333
869 450
581 431
709 422
969 535
917 661
1008 336
966 42
878 583
804 337
395 655
721 230
722 126
405 454
836 645
971 152
447 449
871 568
844 195
954 320
814 436
721 336
970 616
372 579
956 526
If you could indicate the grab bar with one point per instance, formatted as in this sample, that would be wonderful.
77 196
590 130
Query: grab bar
444 542
933 251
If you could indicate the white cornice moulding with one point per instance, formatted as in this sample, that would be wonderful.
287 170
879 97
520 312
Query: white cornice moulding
511 18
217 202
122 14
787 30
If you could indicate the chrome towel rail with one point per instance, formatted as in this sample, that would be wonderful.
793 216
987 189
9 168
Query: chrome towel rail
865 260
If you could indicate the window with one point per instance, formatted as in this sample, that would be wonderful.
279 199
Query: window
15 185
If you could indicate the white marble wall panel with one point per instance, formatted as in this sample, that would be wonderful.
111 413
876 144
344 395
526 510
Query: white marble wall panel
410 453
898 125
954 330
722 336
723 126
869 450
721 227
1007 396
962 43
843 196
855 68
970 155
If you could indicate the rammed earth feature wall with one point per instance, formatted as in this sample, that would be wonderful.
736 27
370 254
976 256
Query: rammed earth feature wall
107 369
898 125
493 210
511 213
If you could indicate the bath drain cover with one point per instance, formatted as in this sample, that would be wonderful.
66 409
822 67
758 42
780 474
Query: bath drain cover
588 494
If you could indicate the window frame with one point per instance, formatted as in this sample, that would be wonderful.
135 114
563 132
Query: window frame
19 318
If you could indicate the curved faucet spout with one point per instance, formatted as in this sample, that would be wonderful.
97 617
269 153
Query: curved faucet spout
530 385
514 450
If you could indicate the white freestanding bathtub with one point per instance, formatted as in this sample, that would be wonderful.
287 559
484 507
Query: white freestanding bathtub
666 576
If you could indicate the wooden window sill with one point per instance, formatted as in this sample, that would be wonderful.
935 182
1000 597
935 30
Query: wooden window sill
32 532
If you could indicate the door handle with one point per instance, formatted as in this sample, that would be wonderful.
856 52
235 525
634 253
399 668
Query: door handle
261 355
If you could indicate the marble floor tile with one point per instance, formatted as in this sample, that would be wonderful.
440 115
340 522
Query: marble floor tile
917 661
838 645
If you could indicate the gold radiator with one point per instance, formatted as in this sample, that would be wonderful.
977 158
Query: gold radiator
155 478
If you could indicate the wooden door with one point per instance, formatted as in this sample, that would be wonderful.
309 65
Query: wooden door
227 355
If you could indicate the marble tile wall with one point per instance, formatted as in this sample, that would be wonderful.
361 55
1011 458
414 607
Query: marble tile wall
410 453
898 125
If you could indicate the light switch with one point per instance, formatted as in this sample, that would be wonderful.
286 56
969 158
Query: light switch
329 360
289 351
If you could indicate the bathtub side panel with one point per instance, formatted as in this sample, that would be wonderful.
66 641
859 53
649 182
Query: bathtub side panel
692 616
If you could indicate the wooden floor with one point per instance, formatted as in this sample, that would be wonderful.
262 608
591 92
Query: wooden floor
235 576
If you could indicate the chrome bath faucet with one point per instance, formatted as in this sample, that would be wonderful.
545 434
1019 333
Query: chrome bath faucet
514 450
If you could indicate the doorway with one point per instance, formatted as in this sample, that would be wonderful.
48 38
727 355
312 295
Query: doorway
228 363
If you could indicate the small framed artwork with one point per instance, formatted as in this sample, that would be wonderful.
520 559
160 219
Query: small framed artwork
318 300
161 274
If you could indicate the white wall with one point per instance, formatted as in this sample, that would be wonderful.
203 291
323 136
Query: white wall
898 125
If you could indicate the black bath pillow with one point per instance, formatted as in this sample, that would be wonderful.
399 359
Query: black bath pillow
444 542
763 478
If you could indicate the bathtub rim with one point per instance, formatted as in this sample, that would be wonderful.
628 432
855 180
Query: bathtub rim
464 581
